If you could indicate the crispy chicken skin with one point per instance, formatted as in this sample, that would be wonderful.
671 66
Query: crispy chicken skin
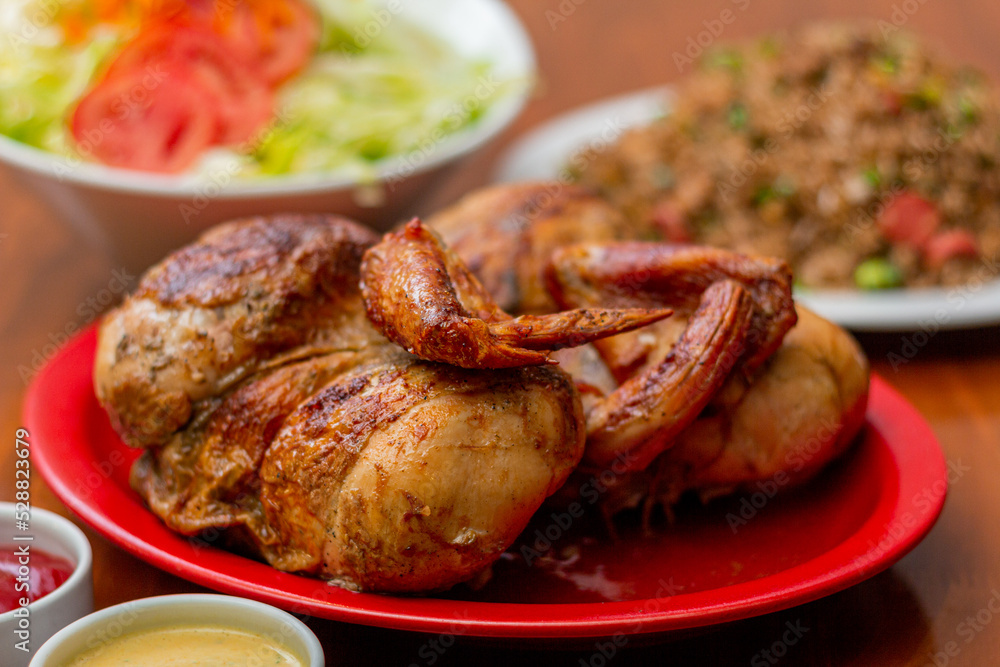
408 476
737 311
511 253
369 411
654 275
214 312
795 415
798 412
420 295
296 429
207 475
794 382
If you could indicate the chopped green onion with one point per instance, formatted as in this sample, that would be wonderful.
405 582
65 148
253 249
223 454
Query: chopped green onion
928 97
726 59
886 63
970 114
737 116
782 188
764 194
877 273
770 47
872 177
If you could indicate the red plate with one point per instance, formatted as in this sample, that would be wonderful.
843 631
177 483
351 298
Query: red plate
860 516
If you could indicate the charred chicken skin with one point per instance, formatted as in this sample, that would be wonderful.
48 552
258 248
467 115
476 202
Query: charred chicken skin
421 296
737 385
389 414
270 408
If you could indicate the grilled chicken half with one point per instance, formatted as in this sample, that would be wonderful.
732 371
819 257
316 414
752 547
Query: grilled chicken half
709 400
273 413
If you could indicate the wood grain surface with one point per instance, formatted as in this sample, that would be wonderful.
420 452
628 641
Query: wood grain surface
54 280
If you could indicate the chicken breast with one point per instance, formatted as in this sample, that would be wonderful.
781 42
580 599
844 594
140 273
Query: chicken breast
413 476
277 420
218 310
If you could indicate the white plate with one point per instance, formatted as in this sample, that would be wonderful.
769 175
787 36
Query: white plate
544 153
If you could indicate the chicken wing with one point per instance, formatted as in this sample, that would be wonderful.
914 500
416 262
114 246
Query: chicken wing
424 298
766 396
506 234
798 412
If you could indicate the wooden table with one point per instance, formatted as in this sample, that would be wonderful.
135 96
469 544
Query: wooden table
910 615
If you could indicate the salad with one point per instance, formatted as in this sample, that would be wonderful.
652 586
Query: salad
170 86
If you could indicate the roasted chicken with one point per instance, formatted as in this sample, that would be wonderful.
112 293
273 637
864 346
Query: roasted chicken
271 408
702 401
382 414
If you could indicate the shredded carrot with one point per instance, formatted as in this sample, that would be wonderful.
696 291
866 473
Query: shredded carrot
78 17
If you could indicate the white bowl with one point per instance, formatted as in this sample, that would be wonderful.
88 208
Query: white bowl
72 600
172 610
139 217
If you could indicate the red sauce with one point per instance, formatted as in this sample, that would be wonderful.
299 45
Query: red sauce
45 574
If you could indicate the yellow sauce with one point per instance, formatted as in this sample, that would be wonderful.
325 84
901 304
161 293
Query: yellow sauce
188 646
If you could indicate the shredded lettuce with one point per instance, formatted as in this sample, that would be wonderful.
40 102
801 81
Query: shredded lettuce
40 81
403 93
362 98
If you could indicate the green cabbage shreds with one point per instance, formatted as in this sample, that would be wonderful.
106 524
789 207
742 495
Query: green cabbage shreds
40 82
379 87
404 91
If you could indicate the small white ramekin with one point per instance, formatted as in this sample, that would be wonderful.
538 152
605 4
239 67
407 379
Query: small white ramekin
172 610
72 600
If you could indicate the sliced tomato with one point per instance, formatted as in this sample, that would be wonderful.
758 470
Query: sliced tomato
125 123
893 102
909 219
949 244
208 63
243 101
276 38
671 222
